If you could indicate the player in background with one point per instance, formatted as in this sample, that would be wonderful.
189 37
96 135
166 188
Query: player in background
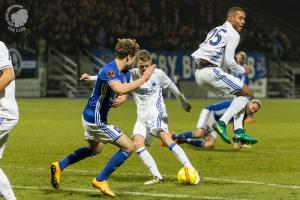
152 117
218 50
112 80
241 59
9 113
204 136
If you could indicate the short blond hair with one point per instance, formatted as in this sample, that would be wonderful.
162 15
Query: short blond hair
143 55
126 47
257 101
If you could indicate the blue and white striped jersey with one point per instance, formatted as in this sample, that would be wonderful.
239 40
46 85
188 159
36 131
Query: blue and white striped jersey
219 48
219 109
98 105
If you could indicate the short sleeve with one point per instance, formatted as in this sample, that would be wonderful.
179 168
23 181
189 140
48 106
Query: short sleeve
165 81
4 56
108 74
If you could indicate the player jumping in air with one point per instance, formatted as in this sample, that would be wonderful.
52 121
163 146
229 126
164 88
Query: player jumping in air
218 50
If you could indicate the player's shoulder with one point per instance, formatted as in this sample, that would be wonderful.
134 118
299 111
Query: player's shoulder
109 67
109 71
159 72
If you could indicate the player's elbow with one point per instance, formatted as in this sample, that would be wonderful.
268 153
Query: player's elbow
121 92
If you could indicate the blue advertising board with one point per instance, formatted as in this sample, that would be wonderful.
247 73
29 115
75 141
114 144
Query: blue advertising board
182 64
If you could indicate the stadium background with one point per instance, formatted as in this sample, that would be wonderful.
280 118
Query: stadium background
66 38
62 39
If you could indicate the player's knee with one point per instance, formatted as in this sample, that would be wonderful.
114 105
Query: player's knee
130 148
198 133
210 143
138 144
95 147
166 138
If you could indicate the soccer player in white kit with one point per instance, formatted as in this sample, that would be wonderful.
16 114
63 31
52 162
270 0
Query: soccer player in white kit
218 50
9 114
152 117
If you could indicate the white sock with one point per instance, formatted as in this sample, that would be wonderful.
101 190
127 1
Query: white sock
5 188
238 120
235 107
180 155
148 161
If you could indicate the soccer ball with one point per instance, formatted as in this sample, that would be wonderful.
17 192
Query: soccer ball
188 176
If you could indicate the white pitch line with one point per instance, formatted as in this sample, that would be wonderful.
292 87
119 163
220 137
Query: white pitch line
225 180
128 193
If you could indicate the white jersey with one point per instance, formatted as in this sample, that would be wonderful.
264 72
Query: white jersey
219 48
8 104
148 97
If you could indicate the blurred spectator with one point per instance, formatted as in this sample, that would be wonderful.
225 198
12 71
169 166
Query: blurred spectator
157 24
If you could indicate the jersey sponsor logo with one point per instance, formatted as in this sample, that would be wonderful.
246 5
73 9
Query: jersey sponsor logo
145 91
111 74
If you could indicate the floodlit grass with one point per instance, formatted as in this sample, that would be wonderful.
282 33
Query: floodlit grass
50 129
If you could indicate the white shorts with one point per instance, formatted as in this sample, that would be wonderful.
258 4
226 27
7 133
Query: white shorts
151 128
105 133
207 128
215 80
6 125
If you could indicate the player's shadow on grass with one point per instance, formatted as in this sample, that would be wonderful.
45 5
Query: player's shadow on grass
218 149
79 194
130 178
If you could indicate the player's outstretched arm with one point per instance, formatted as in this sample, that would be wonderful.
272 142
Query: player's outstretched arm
6 76
180 97
87 77
121 89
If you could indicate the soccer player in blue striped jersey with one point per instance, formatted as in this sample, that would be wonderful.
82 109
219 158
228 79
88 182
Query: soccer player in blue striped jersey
112 80
204 136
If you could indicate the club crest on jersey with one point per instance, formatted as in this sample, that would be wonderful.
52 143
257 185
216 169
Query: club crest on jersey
111 74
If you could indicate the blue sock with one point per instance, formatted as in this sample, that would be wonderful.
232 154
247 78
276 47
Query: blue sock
76 156
197 143
115 161
183 135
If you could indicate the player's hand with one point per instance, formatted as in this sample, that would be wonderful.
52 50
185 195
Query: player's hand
85 77
184 103
248 69
119 100
149 71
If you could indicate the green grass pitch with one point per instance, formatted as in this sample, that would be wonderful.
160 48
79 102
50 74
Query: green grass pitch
50 129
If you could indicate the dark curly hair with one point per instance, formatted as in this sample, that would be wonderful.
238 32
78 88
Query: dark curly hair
126 47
